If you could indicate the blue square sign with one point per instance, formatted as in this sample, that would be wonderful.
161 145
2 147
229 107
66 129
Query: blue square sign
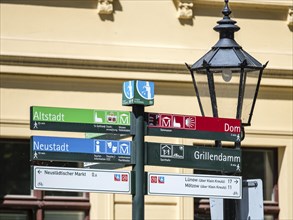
138 92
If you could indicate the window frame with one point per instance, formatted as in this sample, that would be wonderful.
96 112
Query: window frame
37 202
202 206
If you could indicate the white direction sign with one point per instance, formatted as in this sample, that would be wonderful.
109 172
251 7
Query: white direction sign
81 180
203 186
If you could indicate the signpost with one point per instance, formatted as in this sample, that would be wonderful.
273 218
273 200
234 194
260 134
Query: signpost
102 153
204 186
79 120
80 180
188 126
195 157
138 97
81 150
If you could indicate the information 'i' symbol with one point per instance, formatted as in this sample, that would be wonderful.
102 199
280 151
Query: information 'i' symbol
97 146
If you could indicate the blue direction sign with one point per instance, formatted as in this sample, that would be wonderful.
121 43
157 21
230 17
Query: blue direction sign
80 150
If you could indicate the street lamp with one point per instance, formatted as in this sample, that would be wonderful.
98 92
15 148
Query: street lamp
229 73
226 81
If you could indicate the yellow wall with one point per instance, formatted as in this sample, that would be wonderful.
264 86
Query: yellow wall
63 54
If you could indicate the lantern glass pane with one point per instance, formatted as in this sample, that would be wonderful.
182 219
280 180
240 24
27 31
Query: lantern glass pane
227 92
250 90
204 94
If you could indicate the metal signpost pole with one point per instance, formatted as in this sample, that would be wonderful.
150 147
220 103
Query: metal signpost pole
229 209
138 168
138 94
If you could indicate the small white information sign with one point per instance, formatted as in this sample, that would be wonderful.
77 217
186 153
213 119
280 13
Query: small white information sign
204 186
251 204
81 180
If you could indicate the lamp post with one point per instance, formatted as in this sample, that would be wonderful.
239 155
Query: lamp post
228 72
226 81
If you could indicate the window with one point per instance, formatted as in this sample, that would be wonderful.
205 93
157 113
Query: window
15 215
62 215
15 165
257 163
19 202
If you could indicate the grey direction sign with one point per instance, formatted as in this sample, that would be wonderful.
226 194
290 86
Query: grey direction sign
195 157
80 180
203 186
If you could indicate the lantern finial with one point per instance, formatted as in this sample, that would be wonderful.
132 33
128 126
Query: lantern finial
226 11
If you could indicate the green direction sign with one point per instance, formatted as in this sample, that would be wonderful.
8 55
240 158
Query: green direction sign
79 120
195 157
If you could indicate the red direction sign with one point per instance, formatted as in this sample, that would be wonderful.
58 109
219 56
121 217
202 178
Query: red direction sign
173 125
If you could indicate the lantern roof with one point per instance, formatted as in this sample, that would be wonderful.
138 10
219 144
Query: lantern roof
226 53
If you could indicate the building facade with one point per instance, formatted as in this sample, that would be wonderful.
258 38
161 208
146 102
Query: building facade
77 54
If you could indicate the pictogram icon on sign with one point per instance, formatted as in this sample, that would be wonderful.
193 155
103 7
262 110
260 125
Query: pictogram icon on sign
166 150
116 177
154 179
178 121
124 178
128 88
161 179
166 121
145 89
189 122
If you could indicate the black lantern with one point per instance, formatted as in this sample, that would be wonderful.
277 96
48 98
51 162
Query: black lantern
226 79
